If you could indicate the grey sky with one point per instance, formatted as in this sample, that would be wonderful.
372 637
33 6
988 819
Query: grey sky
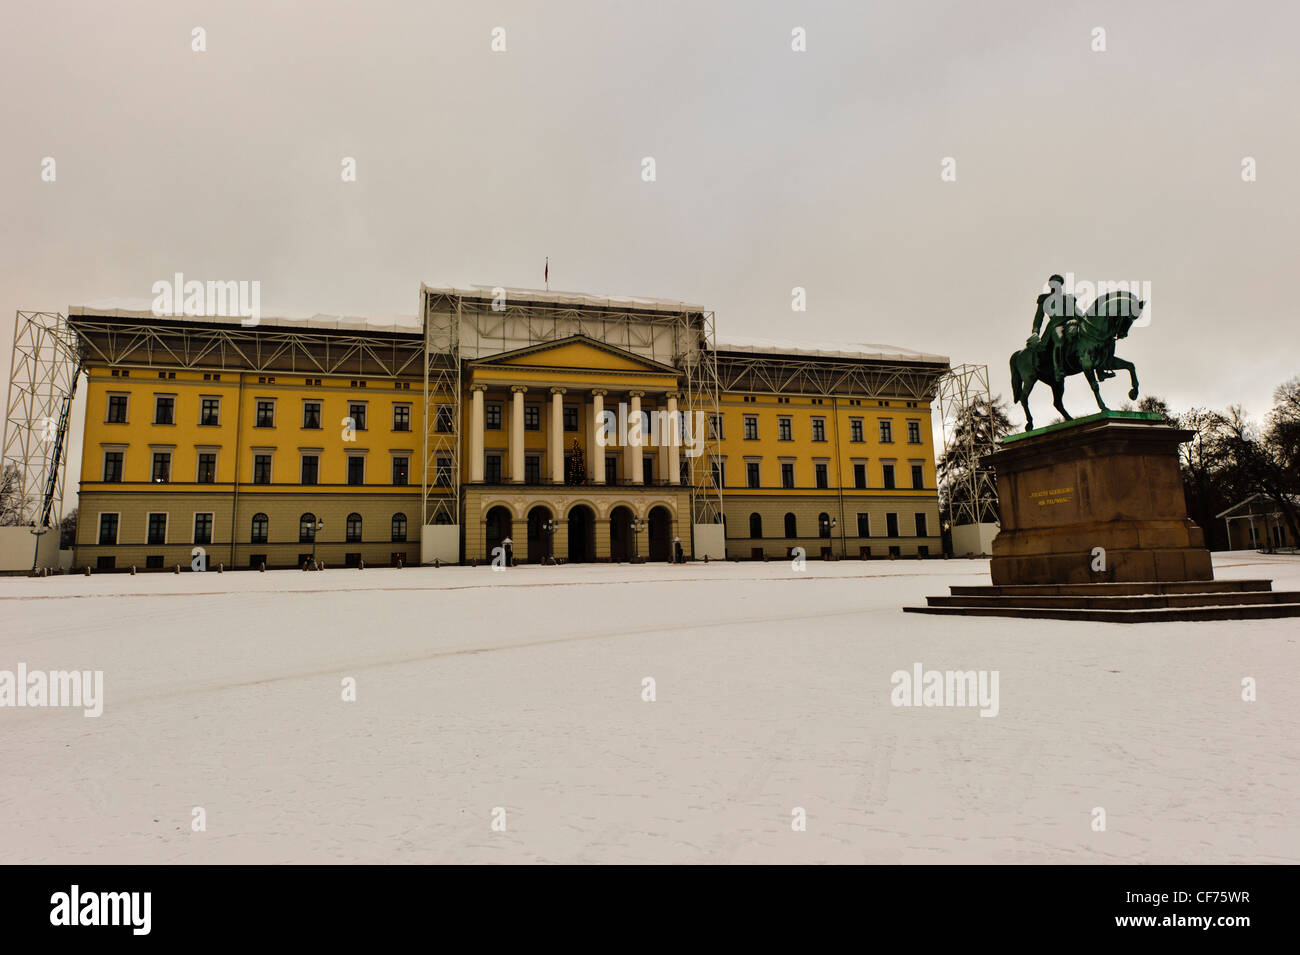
775 169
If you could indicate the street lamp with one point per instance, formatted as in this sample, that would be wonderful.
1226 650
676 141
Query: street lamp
36 533
638 526
320 525
829 527
677 550
548 527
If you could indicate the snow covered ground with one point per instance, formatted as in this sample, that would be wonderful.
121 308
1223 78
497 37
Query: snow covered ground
523 690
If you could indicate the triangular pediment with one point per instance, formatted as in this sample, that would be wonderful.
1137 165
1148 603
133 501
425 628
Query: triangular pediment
577 352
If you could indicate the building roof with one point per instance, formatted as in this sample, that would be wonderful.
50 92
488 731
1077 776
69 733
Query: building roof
143 308
553 297
851 350
1249 508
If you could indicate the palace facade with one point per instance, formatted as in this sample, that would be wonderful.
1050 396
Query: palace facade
495 415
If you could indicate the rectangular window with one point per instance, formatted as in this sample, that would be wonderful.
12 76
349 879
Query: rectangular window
157 529
356 469
402 470
864 525
210 412
402 418
105 562
357 412
107 529
116 409
611 469
492 416
442 474
310 469
823 481
265 414
492 469
860 476
891 525
784 430
162 467
751 473
819 429
570 419
751 427
855 430
532 417
443 424
203 528
918 476
921 526
164 409
887 472
261 469
715 427
886 431
532 469
113 466
787 474
311 415
914 432
207 468
153 562
719 474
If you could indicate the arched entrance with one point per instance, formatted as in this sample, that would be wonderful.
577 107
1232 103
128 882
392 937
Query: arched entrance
582 534
497 527
620 534
540 543
660 527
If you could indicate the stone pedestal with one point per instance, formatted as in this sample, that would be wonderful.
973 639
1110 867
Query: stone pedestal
1108 481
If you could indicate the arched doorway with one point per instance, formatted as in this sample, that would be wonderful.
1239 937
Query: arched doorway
582 534
660 526
620 534
497 527
540 543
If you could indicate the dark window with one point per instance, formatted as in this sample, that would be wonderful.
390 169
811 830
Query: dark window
261 469
352 560
260 530
570 419
751 427
358 415
310 469
920 526
532 469
611 469
207 468
755 525
311 414
918 478
356 469
164 410
822 480
354 529
157 529
203 528
864 525
306 530
117 409
887 472
105 562
532 418
791 526
399 527
265 414
162 467
442 474
895 551
401 470
715 426
819 429
787 474
751 473
210 413
107 529
719 472
855 429
914 432
153 562
113 466
922 550
492 416
859 476
255 561
823 524
492 469
402 418
784 432
891 525
886 431
647 469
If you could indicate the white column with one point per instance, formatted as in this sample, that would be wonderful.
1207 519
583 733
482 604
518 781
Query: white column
635 437
476 436
517 434
595 452
555 449
674 448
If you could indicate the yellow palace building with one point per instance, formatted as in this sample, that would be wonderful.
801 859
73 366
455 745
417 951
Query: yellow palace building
567 426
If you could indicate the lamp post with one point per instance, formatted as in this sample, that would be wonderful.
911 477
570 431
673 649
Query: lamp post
828 526
548 528
320 525
36 533
638 526
677 550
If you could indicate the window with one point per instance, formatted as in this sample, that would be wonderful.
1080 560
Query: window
105 562
886 431
157 533
311 415
648 469
492 469
819 429
611 469
532 469
891 525
751 473
260 529
261 469
859 476
921 526
887 472
399 528
255 561
401 470
492 416
402 418
203 528
719 471
164 409
113 467
823 524
784 431
918 476
357 412
570 419
864 525
787 474
207 468
162 467
755 525
791 526
443 423
153 562
310 469
532 418
354 528
210 412
715 427
116 409
751 427
265 414
855 430
442 472
306 528
823 480
356 469
914 432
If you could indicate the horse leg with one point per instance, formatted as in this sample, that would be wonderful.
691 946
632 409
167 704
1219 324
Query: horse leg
1117 363
1092 383
1026 386
1058 392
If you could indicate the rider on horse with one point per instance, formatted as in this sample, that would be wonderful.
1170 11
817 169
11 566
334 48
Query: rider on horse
1059 308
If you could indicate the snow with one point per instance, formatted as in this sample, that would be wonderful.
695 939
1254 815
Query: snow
522 689
855 350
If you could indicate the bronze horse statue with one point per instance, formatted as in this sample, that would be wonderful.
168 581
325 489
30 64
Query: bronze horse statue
1087 348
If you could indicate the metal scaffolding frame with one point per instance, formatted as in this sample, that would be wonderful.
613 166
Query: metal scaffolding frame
43 369
962 385
828 376
441 315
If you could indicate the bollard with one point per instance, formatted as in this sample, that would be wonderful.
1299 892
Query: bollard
436 563
133 570
262 568
399 563
87 570
219 568
361 565
178 568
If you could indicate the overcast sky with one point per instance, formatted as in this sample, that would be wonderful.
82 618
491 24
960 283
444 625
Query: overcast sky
774 168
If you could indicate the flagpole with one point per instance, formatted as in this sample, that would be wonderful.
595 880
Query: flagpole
547 274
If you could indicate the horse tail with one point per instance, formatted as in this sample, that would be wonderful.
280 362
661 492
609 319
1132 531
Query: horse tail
1016 382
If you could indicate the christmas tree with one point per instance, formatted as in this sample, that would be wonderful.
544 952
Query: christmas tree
576 466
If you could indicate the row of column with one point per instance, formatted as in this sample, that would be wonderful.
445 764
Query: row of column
669 454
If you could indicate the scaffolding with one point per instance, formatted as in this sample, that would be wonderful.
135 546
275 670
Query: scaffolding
440 479
971 489
43 370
